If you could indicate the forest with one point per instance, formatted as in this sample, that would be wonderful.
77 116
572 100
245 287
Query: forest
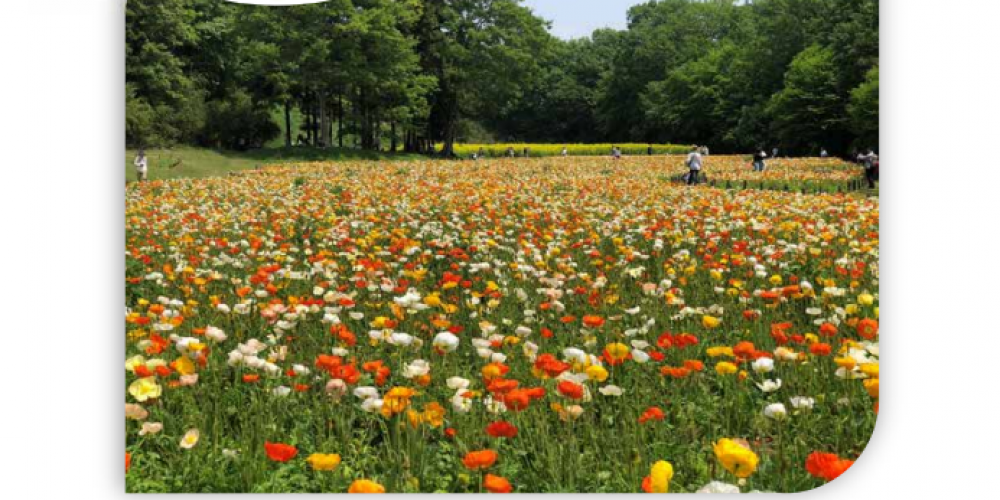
422 75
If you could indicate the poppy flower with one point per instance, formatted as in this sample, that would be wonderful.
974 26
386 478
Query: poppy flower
323 462
736 458
658 480
571 390
651 413
593 321
365 486
501 429
821 349
868 328
496 484
479 460
827 466
128 461
280 452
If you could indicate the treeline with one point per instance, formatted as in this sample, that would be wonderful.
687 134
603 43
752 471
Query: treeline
407 74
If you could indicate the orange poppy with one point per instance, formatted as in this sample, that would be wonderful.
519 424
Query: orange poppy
479 460
496 484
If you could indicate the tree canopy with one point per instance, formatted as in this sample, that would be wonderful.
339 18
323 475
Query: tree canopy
381 74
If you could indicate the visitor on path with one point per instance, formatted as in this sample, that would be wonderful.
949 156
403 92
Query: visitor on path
141 165
694 166
758 160
870 161
704 151
565 152
510 151
616 152
774 153
649 150
823 153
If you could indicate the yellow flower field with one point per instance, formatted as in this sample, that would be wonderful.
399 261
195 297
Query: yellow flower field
550 325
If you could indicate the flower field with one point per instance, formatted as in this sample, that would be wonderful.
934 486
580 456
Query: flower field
557 325
542 150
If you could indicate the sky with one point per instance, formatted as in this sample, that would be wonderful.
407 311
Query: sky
579 18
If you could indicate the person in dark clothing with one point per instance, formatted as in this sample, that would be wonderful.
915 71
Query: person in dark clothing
870 161
649 150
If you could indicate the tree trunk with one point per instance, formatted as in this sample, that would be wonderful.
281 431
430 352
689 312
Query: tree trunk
323 120
340 119
392 132
288 124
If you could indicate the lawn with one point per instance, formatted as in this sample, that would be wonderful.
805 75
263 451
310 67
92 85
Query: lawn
199 162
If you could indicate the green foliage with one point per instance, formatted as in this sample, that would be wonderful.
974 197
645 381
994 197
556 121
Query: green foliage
380 73
236 122
863 110
808 113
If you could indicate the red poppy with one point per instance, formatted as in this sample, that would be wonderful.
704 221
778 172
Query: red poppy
828 329
450 433
128 461
571 390
251 378
651 413
827 466
502 429
821 349
280 452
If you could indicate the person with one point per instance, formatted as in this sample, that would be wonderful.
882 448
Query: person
616 153
823 153
565 152
870 161
758 160
774 153
526 152
510 151
649 150
141 165
694 166
704 151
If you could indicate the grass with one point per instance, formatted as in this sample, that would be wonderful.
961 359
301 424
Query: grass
189 162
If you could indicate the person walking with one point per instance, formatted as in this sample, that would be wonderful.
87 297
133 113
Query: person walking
141 166
823 153
870 161
758 160
649 150
565 152
774 153
693 163
616 153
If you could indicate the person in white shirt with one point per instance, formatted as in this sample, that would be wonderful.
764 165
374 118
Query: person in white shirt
565 152
693 163
141 166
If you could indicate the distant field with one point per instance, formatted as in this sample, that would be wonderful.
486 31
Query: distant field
540 150
198 162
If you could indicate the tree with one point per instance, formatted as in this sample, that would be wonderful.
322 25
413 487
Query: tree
484 53
808 113
863 110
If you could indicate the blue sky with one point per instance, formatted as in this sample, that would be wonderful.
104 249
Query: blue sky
577 18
